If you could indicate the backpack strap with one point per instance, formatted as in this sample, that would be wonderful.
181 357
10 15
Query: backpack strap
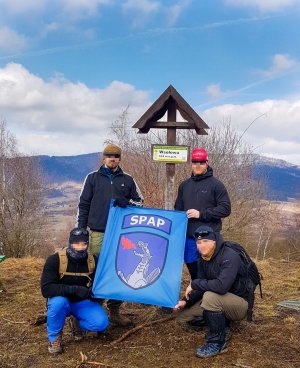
251 297
63 261
91 263
63 264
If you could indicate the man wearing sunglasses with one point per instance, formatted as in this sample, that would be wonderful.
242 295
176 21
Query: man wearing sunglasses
206 202
218 295
67 283
109 182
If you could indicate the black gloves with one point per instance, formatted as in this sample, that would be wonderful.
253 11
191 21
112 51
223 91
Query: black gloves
80 291
121 202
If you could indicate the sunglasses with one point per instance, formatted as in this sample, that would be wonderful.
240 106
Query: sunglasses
200 234
112 156
79 232
198 162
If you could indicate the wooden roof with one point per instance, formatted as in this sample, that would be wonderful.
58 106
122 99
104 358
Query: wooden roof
158 109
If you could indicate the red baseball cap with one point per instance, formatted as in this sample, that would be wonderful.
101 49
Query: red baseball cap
199 154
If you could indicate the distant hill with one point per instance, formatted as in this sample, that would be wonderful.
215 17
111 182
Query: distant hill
282 178
59 169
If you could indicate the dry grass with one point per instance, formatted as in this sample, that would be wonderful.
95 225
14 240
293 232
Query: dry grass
272 340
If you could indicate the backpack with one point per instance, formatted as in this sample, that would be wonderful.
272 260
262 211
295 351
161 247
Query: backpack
63 265
250 272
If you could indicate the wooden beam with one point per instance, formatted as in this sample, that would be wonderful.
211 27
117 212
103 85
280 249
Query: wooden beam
172 124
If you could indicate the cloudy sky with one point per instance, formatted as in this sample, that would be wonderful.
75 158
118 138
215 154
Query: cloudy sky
68 68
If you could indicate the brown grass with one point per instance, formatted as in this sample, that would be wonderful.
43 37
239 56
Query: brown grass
271 341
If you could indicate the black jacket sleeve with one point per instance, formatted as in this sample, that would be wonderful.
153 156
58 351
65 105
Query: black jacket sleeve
85 202
229 266
136 197
222 208
194 297
179 201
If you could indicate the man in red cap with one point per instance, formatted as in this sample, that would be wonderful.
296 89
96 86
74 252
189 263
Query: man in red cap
206 202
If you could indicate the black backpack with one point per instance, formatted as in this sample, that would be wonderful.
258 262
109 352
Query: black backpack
250 273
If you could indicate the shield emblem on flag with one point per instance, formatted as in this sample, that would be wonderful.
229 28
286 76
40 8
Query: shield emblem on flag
140 258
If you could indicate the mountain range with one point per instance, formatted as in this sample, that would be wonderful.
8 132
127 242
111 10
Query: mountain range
282 178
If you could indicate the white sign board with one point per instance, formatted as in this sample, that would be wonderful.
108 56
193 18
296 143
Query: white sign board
164 153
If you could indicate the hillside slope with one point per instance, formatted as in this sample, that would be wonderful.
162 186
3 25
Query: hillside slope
271 341
282 178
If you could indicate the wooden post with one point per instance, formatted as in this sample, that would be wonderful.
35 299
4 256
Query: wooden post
170 167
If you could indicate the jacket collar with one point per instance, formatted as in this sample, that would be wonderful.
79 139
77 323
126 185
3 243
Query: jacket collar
208 174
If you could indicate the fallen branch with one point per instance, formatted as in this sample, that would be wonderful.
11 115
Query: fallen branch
10 321
84 361
139 327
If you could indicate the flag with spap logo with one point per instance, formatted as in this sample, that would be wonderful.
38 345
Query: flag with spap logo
142 256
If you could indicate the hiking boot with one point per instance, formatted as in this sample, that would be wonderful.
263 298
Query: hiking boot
75 329
210 349
55 347
215 336
116 319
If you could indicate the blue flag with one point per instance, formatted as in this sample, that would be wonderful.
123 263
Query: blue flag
142 256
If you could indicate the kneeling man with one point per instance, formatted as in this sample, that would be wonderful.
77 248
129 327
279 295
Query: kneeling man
66 282
218 295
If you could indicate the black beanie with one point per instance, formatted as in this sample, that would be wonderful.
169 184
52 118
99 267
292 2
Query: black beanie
78 235
205 232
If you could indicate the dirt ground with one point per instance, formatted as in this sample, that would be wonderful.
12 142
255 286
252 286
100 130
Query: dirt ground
272 340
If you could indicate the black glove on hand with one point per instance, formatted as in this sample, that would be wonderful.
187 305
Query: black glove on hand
80 291
121 202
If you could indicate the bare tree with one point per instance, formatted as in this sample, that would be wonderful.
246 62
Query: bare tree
21 199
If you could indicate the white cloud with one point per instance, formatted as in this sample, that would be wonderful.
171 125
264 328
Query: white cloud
79 7
276 130
280 64
62 143
175 11
58 107
214 92
263 5
140 10
21 7
58 117
11 41
43 17
83 8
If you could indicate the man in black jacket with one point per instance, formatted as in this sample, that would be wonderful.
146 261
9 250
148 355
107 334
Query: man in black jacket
69 291
219 293
109 182
206 202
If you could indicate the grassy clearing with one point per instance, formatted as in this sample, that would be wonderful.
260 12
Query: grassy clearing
271 341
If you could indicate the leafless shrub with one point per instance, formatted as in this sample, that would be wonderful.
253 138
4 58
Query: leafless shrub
21 198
